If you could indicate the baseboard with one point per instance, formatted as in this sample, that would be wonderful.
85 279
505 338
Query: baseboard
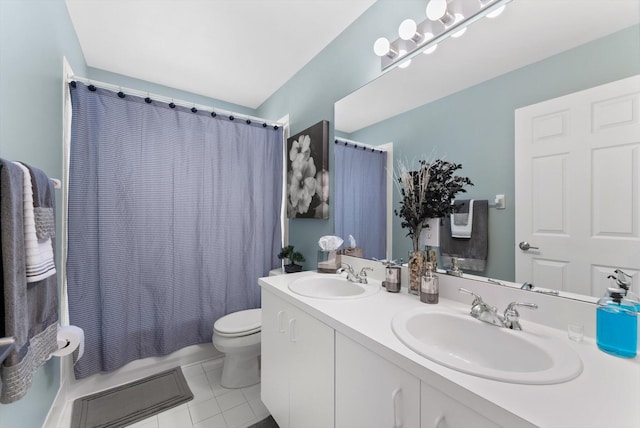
57 407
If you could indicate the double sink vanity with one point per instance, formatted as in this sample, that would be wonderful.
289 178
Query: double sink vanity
338 353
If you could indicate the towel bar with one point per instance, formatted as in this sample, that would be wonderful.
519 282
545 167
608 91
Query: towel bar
6 346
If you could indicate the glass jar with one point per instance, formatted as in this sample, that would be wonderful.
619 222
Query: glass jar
417 268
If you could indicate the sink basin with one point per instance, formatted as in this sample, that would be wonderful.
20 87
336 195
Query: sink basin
330 286
471 346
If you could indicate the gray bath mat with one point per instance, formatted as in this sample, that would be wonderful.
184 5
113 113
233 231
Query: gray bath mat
268 422
132 402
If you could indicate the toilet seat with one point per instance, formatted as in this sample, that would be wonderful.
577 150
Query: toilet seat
237 324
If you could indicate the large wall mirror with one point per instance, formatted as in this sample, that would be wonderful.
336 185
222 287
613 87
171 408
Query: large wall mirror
458 102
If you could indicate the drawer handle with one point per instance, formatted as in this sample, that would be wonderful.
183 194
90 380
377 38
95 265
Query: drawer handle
397 421
293 334
438 422
280 323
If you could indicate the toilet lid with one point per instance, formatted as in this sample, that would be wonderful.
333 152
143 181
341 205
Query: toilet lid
240 323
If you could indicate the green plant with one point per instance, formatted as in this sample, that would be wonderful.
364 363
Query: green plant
293 256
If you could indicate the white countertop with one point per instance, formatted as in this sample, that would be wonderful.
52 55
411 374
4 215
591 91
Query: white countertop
605 394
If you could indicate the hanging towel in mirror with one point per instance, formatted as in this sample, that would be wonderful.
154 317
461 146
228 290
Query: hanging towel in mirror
462 219
470 253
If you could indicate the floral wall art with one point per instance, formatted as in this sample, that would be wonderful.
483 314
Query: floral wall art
308 173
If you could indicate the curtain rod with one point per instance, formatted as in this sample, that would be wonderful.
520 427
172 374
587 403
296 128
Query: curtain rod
163 98
359 144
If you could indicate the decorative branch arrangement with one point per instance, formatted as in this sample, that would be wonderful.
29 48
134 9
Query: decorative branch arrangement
427 193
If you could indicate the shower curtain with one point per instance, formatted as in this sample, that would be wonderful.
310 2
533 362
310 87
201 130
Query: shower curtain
361 198
173 215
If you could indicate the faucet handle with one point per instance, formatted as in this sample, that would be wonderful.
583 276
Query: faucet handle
363 271
347 267
526 286
512 306
477 300
512 317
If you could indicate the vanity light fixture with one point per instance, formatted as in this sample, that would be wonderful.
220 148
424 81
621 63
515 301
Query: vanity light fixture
444 18
497 12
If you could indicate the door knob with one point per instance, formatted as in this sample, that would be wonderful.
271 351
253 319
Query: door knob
525 246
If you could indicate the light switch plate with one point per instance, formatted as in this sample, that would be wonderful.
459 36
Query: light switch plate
430 235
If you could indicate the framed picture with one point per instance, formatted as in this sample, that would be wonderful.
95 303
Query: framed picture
308 173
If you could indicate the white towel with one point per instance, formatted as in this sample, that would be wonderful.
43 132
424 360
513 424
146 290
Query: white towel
462 223
39 252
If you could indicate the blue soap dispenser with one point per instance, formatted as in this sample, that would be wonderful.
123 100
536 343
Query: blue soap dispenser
617 324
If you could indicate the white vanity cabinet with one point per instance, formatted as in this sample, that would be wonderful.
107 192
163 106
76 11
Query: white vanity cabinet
441 411
372 392
297 366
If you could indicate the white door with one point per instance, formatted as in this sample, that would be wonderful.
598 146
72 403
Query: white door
578 188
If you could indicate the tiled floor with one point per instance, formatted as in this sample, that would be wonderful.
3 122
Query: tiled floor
213 406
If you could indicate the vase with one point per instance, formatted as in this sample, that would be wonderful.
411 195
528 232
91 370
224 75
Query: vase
292 268
417 268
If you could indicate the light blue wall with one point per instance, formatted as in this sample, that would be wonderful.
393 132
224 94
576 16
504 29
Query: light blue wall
475 127
153 88
343 66
34 36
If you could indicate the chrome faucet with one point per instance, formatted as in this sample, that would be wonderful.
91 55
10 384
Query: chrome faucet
480 310
511 317
489 314
530 287
352 276
455 270
526 286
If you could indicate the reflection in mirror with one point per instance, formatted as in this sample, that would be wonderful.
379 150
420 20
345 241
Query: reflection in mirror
459 102
361 198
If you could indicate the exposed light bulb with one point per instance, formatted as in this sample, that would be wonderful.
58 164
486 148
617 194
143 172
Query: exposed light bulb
428 36
407 62
436 9
496 12
459 33
382 46
408 30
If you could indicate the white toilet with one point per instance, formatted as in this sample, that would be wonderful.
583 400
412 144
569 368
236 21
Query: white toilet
237 335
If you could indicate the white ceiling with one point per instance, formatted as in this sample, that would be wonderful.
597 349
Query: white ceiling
528 31
239 51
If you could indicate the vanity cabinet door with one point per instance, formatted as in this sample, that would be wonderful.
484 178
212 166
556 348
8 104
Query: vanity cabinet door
311 385
372 392
297 372
441 411
274 373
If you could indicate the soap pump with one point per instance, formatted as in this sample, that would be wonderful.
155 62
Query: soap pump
429 287
392 277
617 324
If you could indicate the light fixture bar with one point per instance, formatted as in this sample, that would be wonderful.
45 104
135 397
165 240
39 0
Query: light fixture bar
413 48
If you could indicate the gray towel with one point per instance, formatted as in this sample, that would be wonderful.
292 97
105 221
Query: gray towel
29 311
471 253
42 211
